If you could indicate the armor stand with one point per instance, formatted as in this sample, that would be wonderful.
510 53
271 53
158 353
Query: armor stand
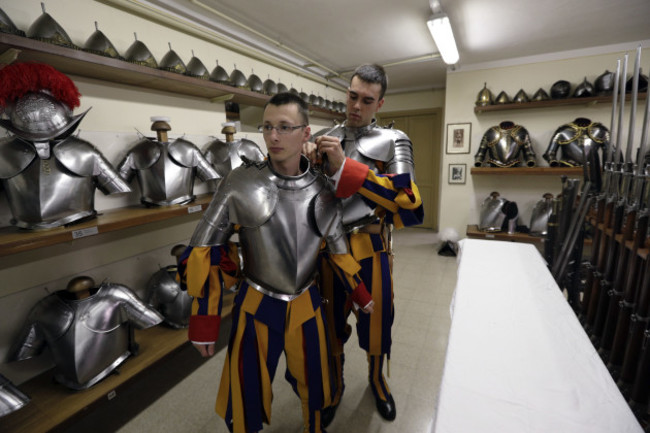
230 131
161 127
80 287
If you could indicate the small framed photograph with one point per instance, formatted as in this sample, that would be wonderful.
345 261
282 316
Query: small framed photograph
458 137
457 173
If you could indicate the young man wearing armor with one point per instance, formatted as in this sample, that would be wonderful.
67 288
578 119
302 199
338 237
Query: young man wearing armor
376 177
283 211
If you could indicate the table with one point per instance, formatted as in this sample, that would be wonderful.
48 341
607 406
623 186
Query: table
517 359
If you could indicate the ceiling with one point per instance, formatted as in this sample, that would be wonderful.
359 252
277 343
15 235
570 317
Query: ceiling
334 36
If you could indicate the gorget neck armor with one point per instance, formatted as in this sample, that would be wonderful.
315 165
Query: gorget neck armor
575 141
505 145
227 155
52 183
89 337
166 170
283 221
383 150
164 294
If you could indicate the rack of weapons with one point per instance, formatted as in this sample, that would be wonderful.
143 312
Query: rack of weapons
610 289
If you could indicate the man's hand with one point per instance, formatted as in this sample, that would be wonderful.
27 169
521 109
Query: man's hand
310 150
206 350
331 146
369 308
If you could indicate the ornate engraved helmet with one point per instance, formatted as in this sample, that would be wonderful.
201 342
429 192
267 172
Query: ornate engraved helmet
172 62
98 43
484 97
139 54
237 78
38 102
269 87
520 97
196 68
7 26
604 83
584 89
46 29
560 89
219 75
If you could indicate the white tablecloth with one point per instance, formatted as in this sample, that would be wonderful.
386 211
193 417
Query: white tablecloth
518 360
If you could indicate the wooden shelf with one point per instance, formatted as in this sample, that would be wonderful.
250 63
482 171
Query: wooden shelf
592 100
52 404
14 240
528 171
89 65
474 233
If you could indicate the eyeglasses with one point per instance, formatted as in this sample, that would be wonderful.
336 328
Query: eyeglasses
281 129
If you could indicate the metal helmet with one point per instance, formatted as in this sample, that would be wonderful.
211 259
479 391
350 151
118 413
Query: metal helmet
98 43
520 97
282 88
484 97
502 98
196 68
219 75
541 213
269 87
254 83
11 398
541 95
560 89
172 62
7 26
584 89
643 83
237 78
46 29
139 54
304 96
604 83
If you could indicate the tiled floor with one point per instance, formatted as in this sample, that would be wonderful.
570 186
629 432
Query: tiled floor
424 283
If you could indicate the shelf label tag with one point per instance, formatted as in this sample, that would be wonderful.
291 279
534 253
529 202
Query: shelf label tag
90 231
111 395
194 209
490 236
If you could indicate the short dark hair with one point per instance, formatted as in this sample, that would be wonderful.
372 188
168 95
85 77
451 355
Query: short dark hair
285 98
373 74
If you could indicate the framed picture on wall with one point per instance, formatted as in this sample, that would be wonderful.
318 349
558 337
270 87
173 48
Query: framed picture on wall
457 173
458 137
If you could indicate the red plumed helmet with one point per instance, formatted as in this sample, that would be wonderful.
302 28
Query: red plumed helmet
20 78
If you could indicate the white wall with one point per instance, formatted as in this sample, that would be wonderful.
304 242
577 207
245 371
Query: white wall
460 204
129 256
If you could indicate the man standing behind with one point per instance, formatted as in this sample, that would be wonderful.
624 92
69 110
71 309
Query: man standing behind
284 211
374 171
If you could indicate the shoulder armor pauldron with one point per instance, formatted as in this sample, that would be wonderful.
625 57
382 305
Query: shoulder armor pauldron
216 151
77 155
520 134
145 153
252 197
250 149
325 208
15 156
184 152
379 143
598 132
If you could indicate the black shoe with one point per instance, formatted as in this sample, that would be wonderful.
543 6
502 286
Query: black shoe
327 415
386 409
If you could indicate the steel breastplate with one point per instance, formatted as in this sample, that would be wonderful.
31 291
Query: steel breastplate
504 148
572 139
166 182
165 295
46 195
492 216
281 254
88 338
539 218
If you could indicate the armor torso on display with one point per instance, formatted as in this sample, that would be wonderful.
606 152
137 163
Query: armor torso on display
166 170
227 155
165 295
283 220
498 214
53 183
383 150
505 145
574 141
88 337
541 213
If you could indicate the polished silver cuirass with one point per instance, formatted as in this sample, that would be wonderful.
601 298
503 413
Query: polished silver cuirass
166 171
88 338
505 145
283 219
492 216
165 295
575 141
540 215
372 145
227 155
53 183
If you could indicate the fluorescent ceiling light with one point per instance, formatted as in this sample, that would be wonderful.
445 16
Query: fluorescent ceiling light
440 29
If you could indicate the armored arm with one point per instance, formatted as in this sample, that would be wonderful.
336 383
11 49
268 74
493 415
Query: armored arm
527 147
109 181
136 311
551 152
479 157
204 170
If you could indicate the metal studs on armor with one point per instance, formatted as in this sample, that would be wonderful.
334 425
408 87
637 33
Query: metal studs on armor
196 68
172 62
98 43
484 97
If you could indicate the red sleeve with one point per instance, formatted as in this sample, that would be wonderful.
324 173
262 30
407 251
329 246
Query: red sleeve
352 177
